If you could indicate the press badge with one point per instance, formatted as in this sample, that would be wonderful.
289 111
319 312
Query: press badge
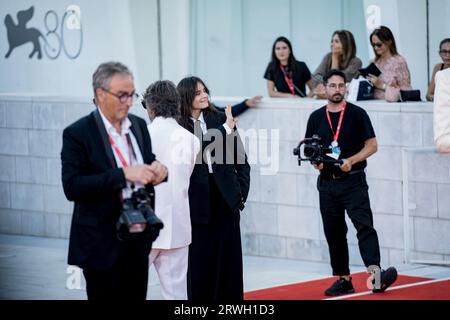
335 151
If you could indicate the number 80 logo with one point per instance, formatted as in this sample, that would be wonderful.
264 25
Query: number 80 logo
55 41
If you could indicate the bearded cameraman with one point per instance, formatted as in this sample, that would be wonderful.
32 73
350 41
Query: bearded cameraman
347 130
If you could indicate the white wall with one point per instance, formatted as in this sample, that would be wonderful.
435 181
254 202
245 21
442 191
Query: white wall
145 41
107 32
439 28
122 30
226 42
312 33
407 20
232 40
176 40
232 56
217 36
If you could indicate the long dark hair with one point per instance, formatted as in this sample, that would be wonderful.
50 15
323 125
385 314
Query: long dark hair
186 89
348 47
387 37
275 63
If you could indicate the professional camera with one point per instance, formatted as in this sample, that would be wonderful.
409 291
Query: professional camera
314 152
138 220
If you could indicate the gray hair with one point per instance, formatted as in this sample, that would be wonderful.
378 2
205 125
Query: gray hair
102 76
163 99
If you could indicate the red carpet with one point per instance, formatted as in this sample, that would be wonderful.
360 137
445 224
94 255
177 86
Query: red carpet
313 290
432 291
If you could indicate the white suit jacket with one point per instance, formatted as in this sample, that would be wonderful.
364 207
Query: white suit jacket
177 149
441 114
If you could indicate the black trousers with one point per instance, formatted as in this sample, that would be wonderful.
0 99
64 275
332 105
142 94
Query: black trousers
215 270
126 280
348 194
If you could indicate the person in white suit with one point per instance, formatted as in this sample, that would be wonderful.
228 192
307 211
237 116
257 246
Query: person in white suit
441 112
177 149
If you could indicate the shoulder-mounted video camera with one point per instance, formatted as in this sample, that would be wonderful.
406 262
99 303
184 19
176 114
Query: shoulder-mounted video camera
138 220
314 152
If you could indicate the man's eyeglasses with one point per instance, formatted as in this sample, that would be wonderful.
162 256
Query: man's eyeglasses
444 52
339 86
377 45
123 97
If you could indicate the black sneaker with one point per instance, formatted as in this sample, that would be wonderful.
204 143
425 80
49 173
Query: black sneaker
388 277
340 287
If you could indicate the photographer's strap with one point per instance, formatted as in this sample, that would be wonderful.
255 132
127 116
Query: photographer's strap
104 136
135 129
119 154
288 79
290 82
341 118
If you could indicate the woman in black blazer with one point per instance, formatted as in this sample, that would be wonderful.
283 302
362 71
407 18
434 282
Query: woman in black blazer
217 193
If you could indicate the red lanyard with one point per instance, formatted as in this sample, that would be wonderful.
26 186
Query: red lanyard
119 154
338 130
289 81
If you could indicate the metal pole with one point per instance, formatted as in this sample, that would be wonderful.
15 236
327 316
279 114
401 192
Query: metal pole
160 53
428 40
406 221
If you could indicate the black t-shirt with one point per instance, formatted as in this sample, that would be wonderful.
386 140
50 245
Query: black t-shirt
355 130
300 77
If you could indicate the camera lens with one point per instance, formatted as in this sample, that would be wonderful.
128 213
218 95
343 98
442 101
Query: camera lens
309 151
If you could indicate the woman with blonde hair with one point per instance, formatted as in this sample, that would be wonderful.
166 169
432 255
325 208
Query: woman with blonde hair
342 57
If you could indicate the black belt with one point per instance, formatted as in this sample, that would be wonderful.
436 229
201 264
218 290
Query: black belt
341 175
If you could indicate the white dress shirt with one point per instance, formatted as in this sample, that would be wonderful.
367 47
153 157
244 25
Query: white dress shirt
177 149
121 142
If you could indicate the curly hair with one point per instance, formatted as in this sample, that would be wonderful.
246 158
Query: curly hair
162 98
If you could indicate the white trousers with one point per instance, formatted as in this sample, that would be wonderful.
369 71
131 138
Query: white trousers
171 266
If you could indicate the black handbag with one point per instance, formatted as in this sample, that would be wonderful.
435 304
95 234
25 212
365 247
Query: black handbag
365 91
410 95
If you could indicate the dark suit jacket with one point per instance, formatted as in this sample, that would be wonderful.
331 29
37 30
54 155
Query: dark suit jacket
92 180
236 109
233 180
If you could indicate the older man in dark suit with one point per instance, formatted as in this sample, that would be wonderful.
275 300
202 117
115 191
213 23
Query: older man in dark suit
104 156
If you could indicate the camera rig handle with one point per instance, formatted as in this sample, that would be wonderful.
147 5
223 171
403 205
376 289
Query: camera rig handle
332 161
